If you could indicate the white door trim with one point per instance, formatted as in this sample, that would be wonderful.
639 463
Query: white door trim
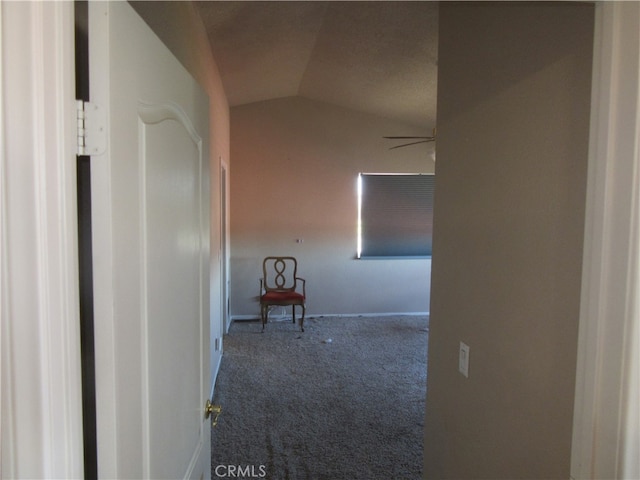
225 242
607 413
41 406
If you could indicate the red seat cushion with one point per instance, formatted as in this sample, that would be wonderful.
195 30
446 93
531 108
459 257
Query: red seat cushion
276 297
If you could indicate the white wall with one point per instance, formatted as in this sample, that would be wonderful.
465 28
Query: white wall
295 165
513 128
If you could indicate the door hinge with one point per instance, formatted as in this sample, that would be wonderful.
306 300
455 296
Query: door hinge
92 131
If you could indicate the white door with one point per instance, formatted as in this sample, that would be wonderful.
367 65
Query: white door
150 205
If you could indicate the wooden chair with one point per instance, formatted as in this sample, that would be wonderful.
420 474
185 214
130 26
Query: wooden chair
278 286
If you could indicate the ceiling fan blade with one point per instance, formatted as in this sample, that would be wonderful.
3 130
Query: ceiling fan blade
412 143
408 138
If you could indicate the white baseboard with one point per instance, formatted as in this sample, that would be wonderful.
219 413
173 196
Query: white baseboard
274 317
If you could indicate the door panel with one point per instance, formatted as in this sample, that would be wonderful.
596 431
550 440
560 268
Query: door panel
150 201
171 162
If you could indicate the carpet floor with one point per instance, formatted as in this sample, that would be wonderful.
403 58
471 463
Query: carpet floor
343 400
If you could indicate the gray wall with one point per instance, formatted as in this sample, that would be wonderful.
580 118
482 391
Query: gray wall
295 165
513 118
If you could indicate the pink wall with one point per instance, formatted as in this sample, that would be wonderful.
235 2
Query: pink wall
295 165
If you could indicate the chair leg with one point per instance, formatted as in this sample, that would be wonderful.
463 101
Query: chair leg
264 311
293 313
302 318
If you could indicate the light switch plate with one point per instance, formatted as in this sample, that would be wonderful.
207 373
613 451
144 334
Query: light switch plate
463 359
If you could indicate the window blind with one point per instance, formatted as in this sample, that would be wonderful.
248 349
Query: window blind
396 215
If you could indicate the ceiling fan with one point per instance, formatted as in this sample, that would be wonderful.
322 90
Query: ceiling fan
418 140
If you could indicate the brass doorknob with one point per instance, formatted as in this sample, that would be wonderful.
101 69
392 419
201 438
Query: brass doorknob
211 409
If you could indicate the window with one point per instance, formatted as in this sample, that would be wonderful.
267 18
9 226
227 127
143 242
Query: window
395 215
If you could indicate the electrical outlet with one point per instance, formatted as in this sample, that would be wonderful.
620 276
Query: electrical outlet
463 359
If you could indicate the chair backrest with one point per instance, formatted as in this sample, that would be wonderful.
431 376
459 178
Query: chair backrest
279 273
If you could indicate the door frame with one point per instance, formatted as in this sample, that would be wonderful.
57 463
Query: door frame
607 377
45 398
41 399
225 243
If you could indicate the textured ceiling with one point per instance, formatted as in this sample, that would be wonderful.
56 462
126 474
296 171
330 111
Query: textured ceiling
375 57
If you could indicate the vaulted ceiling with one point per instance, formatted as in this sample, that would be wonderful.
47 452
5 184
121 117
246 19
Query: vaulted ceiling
376 57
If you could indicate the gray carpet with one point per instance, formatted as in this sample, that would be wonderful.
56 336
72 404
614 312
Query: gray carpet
343 400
